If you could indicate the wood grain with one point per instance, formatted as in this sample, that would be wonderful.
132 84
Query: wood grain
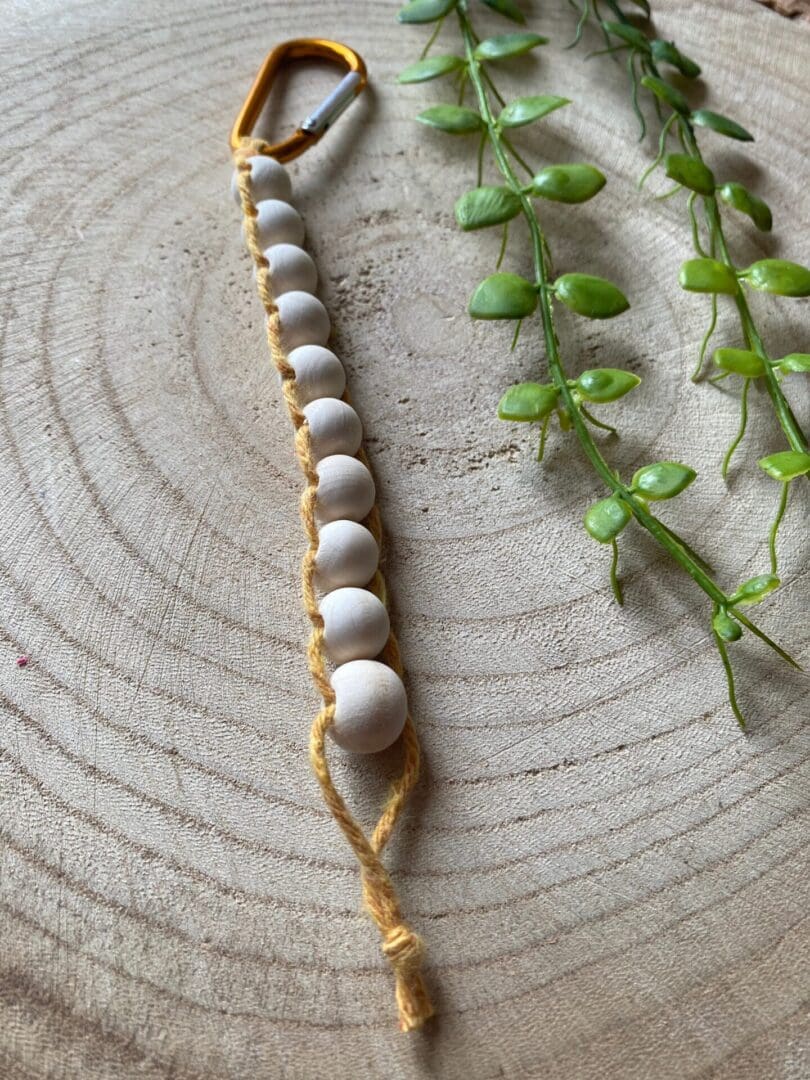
611 880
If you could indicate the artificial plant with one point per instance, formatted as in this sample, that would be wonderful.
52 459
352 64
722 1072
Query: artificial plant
506 295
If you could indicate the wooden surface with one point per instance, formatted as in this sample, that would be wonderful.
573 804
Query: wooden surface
611 880
793 9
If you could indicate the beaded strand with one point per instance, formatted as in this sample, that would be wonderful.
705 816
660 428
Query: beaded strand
364 702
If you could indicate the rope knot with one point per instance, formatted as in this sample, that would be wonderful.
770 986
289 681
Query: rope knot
403 948
248 147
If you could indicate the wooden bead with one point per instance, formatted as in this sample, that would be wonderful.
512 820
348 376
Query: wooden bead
355 625
268 180
334 427
278 223
291 269
345 489
347 555
318 373
304 320
370 706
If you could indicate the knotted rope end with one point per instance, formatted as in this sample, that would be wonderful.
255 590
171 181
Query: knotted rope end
404 951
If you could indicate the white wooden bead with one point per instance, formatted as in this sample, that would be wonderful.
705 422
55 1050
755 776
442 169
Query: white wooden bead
370 706
291 269
334 427
347 555
345 489
355 625
268 180
278 223
304 320
318 373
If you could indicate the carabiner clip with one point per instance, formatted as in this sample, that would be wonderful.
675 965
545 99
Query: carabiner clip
319 121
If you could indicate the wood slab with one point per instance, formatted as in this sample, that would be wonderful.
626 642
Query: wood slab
611 879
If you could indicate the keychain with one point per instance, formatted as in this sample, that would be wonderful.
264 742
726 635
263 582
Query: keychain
364 702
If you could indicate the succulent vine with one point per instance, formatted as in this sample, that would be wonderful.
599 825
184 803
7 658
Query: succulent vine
505 295
712 270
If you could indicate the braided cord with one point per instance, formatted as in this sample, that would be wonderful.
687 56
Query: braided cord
402 947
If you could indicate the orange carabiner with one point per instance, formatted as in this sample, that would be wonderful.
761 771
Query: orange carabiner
319 121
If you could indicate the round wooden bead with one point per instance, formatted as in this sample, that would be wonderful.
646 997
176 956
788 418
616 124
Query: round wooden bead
318 373
347 555
291 269
304 320
345 489
268 180
355 625
278 223
370 706
334 427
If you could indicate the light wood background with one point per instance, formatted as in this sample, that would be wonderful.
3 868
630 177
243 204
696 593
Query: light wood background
611 880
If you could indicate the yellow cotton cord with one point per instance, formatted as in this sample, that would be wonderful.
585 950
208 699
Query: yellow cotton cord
400 944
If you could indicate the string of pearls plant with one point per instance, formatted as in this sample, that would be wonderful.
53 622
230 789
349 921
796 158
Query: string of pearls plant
713 271
506 295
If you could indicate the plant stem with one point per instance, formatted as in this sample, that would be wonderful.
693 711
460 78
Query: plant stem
598 423
696 244
732 694
430 41
541 449
614 577
739 436
691 551
504 242
707 337
780 513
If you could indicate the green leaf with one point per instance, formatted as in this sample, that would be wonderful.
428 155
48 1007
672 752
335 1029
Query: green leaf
663 480
786 465
432 67
707 276
527 401
778 276
747 203
508 8
525 110
755 589
740 362
454 119
424 11
606 384
590 296
725 627
628 34
606 519
484 206
721 124
666 93
503 296
498 48
665 52
693 174
795 362
567 183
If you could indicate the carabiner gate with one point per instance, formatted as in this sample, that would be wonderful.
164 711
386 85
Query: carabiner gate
319 121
